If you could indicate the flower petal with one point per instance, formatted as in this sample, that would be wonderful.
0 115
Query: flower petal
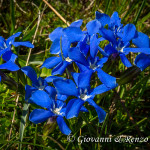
73 108
142 61
66 87
9 65
60 68
76 55
42 99
125 61
63 126
51 78
99 90
77 23
100 112
56 34
137 50
29 90
142 40
93 27
110 50
51 62
40 115
12 38
84 79
73 34
129 32
94 42
108 35
26 44
31 74
102 18
106 79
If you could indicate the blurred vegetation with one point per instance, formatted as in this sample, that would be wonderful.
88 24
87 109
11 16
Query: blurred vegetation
127 106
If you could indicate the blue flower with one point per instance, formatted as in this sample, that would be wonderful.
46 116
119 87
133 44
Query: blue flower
8 56
63 37
55 109
5 45
37 83
83 93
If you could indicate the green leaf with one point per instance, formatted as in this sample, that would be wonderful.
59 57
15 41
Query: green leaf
23 122
12 14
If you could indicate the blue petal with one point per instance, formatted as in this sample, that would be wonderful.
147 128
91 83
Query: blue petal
73 108
102 61
51 78
61 97
42 99
142 40
9 55
73 34
103 18
142 61
83 109
84 79
137 50
29 90
4 51
106 79
56 34
94 42
84 45
12 38
115 20
51 91
125 61
76 55
60 68
55 47
51 62
77 23
31 74
26 44
9 66
100 112
75 77
40 115
65 87
63 126
99 90
110 50
108 35
129 32
60 103
82 68
93 27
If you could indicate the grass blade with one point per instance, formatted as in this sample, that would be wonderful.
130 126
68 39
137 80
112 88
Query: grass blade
23 122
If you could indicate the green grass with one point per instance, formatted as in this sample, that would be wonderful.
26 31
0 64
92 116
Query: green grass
127 106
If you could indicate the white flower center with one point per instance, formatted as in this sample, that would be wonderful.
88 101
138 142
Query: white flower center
68 59
84 96
57 111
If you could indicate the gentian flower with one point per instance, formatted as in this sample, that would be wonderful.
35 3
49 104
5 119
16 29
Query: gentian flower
5 45
62 40
55 109
83 93
7 54
37 83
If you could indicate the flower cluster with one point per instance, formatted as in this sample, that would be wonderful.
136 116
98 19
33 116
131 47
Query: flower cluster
72 46
6 51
